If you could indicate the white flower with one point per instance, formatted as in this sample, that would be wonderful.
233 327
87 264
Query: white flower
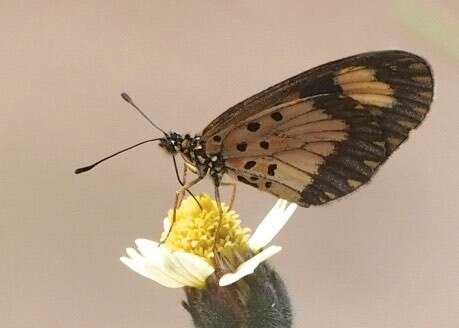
187 257
170 269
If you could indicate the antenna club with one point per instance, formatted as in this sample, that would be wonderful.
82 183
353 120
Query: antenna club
83 169
126 97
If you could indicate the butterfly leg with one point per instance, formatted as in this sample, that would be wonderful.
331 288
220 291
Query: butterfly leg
185 170
187 167
182 181
220 215
231 184
178 195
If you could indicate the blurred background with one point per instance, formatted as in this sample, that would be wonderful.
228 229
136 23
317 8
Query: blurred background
385 256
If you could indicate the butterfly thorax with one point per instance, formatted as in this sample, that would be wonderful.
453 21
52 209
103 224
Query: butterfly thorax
193 151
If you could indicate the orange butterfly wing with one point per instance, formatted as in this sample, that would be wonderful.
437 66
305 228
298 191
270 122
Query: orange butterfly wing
322 134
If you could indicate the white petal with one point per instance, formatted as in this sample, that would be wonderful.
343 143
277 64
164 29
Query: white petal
175 269
186 274
157 264
272 224
134 265
150 272
195 265
133 254
249 266
162 259
147 248
190 279
160 276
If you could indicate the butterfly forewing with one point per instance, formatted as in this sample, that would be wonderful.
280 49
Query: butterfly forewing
323 133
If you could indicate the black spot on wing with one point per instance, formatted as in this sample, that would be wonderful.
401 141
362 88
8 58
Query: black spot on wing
248 165
272 169
264 144
244 180
253 126
276 116
242 146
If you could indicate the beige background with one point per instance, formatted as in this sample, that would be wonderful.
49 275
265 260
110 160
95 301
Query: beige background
386 256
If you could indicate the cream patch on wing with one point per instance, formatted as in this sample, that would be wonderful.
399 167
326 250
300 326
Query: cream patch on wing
378 88
374 100
355 74
363 86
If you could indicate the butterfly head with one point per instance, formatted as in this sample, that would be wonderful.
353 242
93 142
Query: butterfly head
175 143
191 149
172 143
186 145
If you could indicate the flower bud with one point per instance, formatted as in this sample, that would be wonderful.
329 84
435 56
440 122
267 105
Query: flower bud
259 300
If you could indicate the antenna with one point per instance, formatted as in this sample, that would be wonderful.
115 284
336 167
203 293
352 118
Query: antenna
128 99
89 167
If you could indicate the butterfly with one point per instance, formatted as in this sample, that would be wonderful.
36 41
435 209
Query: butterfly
315 137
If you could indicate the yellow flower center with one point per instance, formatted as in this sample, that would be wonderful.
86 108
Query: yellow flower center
194 229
